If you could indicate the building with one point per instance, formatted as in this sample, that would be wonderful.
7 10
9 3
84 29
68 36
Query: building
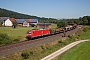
33 21
7 21
27 22
20 21
44 25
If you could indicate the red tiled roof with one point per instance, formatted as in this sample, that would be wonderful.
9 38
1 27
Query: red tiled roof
30 20
12 19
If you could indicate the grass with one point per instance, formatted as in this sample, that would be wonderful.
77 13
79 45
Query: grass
18 32
86 34
54 25
79 52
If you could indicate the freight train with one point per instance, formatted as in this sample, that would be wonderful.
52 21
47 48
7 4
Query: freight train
44 32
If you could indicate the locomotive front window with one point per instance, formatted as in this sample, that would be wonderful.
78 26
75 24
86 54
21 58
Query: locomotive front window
29 32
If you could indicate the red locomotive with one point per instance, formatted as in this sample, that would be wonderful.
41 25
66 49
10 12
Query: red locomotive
37 33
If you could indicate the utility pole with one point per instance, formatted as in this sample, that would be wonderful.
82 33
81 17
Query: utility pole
64 32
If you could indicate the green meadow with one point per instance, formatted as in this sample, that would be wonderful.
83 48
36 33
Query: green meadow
79 52
19 32
86 35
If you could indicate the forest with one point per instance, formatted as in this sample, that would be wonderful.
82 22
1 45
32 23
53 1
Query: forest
85 20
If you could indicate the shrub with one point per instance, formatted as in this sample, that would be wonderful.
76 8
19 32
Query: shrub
32 25
1 24
25 55
31 52
16 40
86 29
60 41
49 48
4 39
71 38
42 47
51 31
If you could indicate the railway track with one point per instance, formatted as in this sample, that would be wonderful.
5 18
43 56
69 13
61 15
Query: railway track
8 49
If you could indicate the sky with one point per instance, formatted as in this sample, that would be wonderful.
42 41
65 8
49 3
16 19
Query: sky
49 8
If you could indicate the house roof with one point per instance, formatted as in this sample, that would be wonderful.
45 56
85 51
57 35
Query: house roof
44 23
27 20
3 18
32 20
12 19
20 20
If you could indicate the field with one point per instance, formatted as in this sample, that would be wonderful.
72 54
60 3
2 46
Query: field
86 35
79 52
18 32
54 25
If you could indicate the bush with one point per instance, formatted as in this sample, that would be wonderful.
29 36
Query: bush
51 31
31 52
71 38
42 47
1 24
4 39
86 29
16 40
60 41
32 25
25 55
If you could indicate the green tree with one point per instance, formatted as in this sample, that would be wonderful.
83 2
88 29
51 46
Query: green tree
88 20
14 24
1 23
80 21
25 55
61 24
85 21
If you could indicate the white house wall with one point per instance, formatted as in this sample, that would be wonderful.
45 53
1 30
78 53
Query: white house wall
8 23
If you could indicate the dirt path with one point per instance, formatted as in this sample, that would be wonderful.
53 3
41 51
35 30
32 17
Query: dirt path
62 50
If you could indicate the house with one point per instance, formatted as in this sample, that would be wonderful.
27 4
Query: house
33 21
26 22
7 21
20 21
44 25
